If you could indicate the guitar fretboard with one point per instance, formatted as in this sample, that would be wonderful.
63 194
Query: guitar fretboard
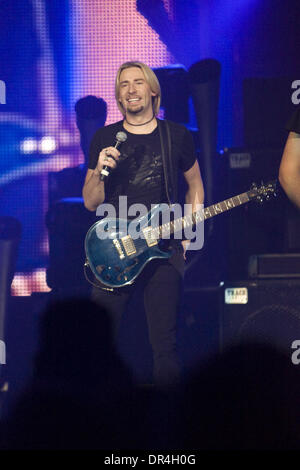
199 216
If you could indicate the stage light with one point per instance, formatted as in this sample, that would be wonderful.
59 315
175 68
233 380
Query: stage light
29 145
47 145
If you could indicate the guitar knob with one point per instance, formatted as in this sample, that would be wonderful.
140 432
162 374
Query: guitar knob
100 268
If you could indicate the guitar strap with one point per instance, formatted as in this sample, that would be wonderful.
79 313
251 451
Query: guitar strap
168 165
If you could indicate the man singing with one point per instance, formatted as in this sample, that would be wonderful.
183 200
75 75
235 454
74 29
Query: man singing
145 170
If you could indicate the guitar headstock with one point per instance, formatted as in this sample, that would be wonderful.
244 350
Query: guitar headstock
263 192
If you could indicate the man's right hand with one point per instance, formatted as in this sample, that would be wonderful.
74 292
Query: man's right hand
108 156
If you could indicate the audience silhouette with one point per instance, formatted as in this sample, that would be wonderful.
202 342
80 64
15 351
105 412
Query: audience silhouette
245 399
82 396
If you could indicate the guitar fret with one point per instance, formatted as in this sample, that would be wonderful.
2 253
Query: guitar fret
229 203
199 216
217 208
188 220
207 213
165 229
245 198
223 206
242 198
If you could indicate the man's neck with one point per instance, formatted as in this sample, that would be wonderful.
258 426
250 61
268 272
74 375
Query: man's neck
140 124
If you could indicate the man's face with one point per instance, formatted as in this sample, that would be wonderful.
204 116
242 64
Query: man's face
135 94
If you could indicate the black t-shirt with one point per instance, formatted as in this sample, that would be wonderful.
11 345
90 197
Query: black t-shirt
293 124
139 173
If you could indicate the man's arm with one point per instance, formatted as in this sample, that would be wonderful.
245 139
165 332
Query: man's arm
93 189
289 171
195 191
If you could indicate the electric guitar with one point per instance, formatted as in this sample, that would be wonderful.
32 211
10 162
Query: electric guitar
116 257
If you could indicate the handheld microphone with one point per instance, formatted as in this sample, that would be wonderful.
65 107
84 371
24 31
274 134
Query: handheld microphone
120 138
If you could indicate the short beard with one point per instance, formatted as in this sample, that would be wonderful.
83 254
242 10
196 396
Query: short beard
133 112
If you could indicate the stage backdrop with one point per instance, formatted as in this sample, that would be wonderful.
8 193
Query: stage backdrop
54 52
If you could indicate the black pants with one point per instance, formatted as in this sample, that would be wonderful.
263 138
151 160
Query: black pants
160 283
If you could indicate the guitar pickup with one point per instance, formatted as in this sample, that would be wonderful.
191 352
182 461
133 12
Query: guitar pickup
119 248
128 245
149 236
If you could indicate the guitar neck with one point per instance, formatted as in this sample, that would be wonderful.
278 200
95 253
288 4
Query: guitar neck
219 207
199 216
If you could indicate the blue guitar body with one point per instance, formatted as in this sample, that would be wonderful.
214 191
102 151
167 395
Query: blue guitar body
115 257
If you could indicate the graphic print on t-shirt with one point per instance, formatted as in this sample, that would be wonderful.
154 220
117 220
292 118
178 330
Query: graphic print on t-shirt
139 174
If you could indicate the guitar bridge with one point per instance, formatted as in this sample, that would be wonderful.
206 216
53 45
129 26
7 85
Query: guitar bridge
128 245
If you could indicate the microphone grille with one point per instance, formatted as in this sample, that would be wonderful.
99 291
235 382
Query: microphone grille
121 136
